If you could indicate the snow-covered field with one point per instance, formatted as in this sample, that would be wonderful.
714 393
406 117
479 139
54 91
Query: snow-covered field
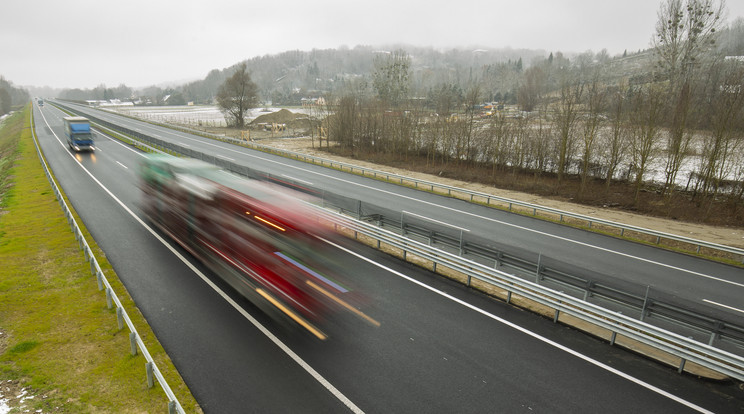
194 115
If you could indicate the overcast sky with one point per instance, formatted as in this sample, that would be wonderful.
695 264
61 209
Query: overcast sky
78 43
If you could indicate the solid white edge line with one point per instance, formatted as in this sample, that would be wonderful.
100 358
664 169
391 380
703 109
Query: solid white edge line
530 333
336 393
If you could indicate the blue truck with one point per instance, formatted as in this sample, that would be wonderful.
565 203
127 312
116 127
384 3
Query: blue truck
79 136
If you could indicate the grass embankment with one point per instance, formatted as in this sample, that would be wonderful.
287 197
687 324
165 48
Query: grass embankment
57 336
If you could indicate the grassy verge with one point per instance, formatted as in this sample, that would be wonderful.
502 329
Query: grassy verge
58 339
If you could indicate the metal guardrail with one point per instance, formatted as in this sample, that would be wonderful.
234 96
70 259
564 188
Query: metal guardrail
473 195
136 343
644 305
685 348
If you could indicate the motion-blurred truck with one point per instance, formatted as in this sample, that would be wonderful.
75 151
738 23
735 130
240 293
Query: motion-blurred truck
79 136
267 244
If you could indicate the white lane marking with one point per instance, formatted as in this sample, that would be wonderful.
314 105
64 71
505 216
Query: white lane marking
649 261
530 333
224 157
434 221
723 306
227 298
122 165
297 179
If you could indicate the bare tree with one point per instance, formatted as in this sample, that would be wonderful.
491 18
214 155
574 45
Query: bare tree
684 34
532 88
645 118
595 105
722 142
566 112
237 95
391 77
615 146
499 144
472 99
678 137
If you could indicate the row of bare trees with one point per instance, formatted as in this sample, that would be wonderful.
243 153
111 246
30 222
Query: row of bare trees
682 109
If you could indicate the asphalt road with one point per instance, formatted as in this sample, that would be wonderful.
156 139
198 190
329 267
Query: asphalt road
711 288
440 346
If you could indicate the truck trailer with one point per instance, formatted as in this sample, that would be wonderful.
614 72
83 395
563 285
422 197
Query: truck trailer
79 136
263 242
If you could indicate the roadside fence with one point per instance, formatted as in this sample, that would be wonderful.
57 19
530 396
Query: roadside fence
136 345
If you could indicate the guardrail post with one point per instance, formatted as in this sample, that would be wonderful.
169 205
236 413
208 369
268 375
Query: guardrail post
612 339
588 291
171 407
557 312
714 334
462 242
120 317
99 278
537 271
108 298
133 343
681 365
148 370
645 302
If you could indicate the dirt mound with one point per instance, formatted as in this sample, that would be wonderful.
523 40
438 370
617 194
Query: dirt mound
283 116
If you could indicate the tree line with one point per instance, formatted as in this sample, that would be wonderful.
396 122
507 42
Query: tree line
11 96
640 117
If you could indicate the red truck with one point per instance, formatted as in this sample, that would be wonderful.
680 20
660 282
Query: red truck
268 245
